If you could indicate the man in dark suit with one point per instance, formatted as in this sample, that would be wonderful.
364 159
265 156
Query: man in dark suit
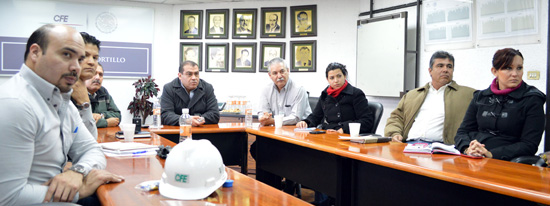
272 26
243 60
217 28
189 91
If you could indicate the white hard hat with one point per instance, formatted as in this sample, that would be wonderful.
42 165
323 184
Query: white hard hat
193 170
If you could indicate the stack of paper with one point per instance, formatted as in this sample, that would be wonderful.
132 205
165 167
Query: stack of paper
117 149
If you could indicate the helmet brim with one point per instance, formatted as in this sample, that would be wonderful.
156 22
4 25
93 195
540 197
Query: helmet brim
180 193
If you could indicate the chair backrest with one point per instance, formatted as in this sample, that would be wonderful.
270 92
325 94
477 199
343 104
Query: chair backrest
377 109
313 102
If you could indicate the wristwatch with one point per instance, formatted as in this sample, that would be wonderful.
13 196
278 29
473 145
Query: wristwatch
84 106
79 169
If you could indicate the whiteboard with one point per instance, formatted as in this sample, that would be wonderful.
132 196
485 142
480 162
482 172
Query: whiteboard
381 55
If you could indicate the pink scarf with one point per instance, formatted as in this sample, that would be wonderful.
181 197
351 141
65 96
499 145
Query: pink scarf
494 88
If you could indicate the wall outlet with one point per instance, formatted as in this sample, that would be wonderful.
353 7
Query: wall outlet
534 75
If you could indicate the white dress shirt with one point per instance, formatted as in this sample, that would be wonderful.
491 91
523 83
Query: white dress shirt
292 100
428 124
40 127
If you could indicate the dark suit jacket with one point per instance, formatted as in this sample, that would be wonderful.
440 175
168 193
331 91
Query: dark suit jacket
174 98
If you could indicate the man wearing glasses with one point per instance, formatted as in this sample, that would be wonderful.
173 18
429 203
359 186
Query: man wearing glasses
189 91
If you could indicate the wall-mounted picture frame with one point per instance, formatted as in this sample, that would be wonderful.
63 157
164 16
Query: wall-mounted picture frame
217 57
191 51
191 24
268 51
244 57
273 22
303 21
244 23
303 56
217 23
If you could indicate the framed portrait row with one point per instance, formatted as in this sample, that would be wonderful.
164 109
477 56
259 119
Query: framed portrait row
243 59
303 23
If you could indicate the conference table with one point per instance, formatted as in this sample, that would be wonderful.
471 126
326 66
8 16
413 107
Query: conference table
381 174
135 170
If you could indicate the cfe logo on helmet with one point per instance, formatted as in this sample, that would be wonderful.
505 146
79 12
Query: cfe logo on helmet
181 178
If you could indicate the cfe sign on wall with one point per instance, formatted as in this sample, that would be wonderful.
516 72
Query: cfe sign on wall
122 52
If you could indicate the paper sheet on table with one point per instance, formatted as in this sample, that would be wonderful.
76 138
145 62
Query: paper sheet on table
304 129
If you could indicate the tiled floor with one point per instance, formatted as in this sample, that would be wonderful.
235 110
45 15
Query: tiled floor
307 195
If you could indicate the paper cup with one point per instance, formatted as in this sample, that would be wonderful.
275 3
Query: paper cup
129 131
354 129
278 120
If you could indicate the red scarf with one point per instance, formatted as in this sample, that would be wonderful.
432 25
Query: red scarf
494 88
335 92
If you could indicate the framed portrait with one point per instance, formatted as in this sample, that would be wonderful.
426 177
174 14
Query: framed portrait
217 57
268 51
244 57
191 51
190 24
303 21
216 23
244 23
273 22
303 56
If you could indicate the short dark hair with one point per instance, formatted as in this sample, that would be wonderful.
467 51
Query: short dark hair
335 66
300 14
441 55
190 18
41 37
185 63
304 48
245 50
89 39
504 57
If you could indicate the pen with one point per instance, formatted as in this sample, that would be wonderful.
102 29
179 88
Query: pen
139 152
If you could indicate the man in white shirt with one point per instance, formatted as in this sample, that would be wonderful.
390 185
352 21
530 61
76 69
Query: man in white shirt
283 96
434 112
42 129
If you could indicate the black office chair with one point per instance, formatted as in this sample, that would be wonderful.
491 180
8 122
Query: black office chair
313 102
377 110
530 160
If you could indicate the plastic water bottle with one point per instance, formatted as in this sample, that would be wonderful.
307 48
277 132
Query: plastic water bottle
185 125
248 115
156 115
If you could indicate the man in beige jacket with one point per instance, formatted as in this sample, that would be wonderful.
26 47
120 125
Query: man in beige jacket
433 112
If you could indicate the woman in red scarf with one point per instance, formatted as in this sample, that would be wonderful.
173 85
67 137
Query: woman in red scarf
339 104
505 120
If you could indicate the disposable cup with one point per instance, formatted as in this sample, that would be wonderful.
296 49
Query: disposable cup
128 130
278 120
354 129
